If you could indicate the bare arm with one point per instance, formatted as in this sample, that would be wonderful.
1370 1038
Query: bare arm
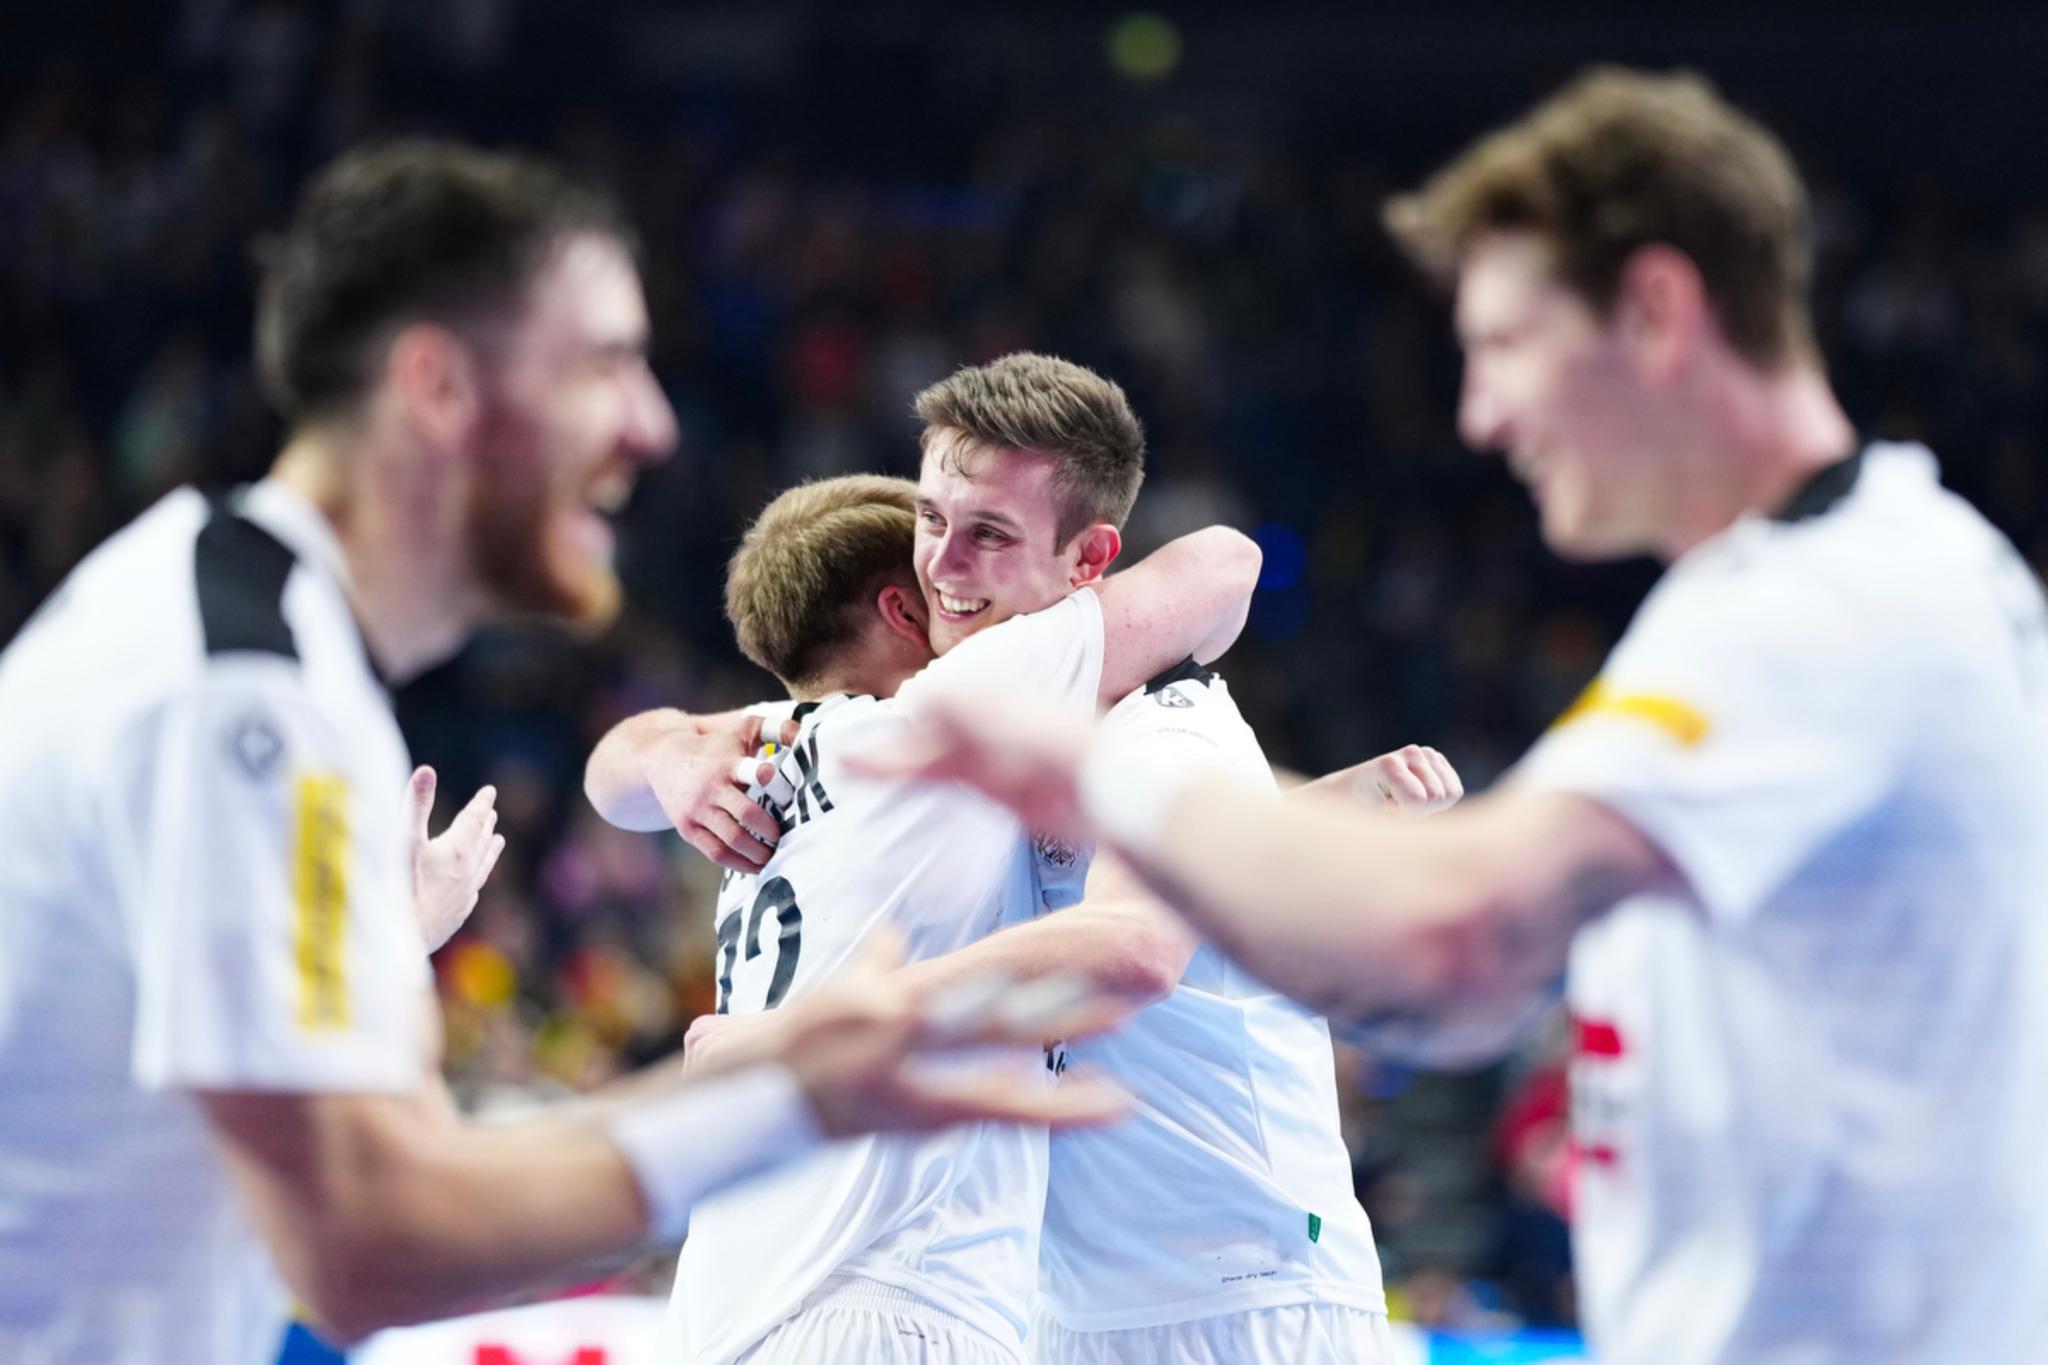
386 1209
1120 938
383 1209
1187 598
668 769
1359 917
1347 911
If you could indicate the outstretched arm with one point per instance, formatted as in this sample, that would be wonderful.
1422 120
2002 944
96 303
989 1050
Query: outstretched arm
1351 913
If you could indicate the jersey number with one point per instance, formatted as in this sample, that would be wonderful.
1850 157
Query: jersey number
777 895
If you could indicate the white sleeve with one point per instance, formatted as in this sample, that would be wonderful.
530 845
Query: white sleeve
275 942
1055 654
1742 724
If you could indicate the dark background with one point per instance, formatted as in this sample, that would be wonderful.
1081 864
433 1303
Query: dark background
841 204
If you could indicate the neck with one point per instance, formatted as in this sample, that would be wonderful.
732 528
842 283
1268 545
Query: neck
402 539
1769 435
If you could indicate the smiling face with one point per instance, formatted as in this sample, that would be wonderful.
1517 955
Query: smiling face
987 527
1560 393
572 414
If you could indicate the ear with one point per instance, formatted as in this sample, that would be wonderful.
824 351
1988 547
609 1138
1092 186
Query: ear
433 377
902 613
1094 550
1661 310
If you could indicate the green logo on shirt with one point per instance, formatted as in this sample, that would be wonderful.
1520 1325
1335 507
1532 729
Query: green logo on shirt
1315 1228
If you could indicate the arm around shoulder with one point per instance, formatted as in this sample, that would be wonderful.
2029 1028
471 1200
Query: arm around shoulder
1187 599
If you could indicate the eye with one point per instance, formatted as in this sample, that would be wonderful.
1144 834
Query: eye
989 535
929 519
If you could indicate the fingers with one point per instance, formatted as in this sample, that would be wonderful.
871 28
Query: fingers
759 824
421 791
720 838
1079 1101
491 852
1399 784
1453 786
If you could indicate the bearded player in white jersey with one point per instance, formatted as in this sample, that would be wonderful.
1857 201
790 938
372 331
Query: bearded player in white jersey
1275 1262
924 1250
1790 850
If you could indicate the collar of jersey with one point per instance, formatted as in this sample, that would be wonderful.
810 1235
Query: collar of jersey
286 514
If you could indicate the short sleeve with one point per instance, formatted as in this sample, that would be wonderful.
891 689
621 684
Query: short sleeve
275 945
1055 654
1744 721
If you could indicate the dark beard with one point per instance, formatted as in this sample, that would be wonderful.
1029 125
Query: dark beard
511 544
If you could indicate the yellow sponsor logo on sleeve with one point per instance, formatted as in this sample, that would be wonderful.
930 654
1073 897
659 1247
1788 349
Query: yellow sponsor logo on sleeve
320 893
1681 720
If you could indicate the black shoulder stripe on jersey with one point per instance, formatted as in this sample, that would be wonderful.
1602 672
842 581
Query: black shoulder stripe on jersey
1187 670
1824 491
241 569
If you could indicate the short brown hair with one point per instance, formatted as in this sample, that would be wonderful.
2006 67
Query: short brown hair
806 568
397 233
1054 407
1621 159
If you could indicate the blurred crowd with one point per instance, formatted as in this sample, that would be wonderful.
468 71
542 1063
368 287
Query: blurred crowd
830 222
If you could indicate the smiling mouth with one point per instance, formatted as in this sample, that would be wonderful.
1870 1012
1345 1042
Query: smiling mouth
960 608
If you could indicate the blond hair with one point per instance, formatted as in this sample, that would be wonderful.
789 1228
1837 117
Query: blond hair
811 561
1618 160
1048 406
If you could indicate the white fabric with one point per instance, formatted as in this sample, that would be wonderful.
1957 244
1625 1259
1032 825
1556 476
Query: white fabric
952 1218
158 933
1293 1334
1811 1089
854 1322
1230 1188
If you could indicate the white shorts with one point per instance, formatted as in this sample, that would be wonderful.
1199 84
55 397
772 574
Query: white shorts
860 1322
1297 1334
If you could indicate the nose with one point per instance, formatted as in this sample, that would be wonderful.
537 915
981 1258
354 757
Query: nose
1482 421
650 422
949 556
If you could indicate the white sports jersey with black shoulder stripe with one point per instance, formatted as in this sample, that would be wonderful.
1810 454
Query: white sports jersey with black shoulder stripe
1810 1088
951 1218
1230 1188
204 884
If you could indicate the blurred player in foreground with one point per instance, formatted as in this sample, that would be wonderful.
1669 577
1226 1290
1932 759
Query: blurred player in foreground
905 1249
216 1032
1792 844
1237 1084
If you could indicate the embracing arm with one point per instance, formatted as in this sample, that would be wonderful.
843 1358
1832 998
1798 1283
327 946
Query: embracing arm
1187 598
668 769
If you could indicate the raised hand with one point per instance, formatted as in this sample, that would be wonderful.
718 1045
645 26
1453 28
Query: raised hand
448 872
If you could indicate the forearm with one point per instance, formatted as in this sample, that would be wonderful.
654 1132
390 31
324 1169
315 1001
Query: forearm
1128 946
1356 915
615 778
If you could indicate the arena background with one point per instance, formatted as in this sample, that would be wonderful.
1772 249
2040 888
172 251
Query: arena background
839 205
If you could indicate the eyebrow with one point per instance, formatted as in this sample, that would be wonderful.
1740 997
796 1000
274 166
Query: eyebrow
925 504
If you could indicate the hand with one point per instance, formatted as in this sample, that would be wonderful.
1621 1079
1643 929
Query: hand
726 1042
1023 753
700 780
448 872
1415 781
871 1052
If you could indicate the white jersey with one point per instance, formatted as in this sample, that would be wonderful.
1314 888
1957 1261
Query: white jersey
1230 1188
1810 1091
950 1218
204 884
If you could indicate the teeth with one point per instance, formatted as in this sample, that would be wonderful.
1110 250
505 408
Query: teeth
961 606
610 498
